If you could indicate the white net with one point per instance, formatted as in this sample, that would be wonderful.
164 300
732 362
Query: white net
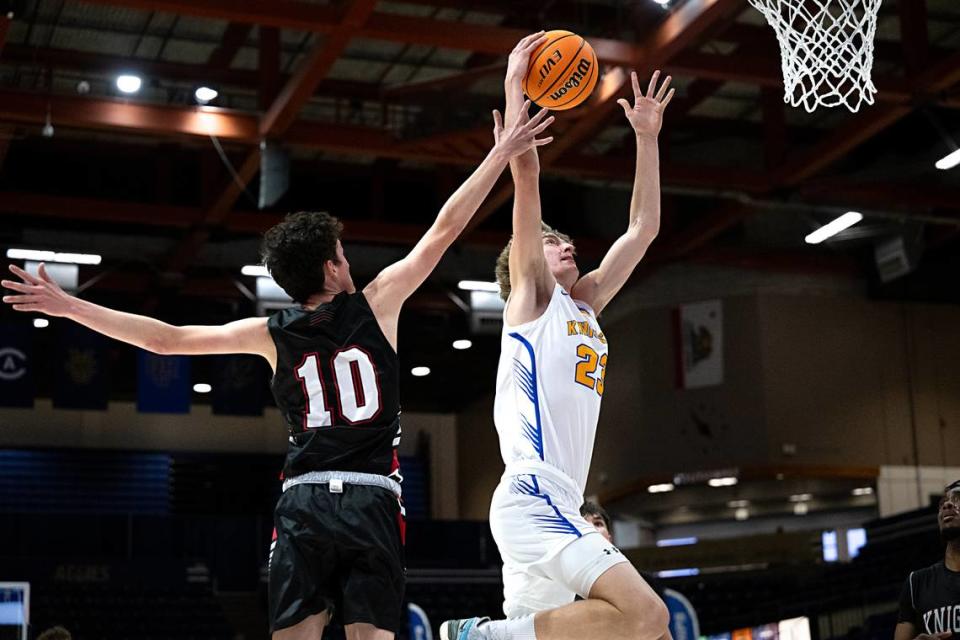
826 50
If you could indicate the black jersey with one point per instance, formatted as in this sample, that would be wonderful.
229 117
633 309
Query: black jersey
930 600
337 384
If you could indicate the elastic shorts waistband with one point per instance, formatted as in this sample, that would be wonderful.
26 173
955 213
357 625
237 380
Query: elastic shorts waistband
347 477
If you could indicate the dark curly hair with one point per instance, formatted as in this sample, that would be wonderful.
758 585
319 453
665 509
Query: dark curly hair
295 251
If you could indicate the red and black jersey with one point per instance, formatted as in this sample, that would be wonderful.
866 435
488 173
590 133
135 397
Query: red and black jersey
337 384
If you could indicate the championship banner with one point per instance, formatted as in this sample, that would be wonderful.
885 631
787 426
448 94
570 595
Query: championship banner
163 383
81 372
238 385
16 366
699 331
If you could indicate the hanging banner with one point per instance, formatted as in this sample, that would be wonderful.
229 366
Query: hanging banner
163 383
16 366
81 372
239 383
699 329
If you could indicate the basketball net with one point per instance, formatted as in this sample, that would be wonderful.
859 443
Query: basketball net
826 50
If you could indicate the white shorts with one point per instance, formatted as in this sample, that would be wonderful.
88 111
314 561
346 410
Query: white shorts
550 553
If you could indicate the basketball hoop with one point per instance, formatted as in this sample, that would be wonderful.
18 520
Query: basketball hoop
826 50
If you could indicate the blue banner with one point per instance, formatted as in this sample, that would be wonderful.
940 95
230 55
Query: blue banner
239 383
81 372
684 624
16 366
163 383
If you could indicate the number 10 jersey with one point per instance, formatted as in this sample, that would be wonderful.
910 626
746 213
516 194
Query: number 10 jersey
549 387
337 386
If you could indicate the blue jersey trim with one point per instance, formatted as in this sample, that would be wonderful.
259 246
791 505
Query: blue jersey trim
527 381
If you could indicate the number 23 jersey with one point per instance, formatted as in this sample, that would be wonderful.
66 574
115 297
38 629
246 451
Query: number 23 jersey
337 386
549 387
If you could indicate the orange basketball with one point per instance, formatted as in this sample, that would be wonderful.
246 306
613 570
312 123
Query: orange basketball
562 72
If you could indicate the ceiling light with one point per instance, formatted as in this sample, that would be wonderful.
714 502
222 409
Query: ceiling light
255 270
727 481
205 94
460 345
129 83
834 227
419 372
862 491
202 387
736 504
660 488
53 256
741 514
676 542
800 497
677 573
800 509
41 323
948 161
478 285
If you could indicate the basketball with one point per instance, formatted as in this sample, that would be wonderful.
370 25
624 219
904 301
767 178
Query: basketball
562 71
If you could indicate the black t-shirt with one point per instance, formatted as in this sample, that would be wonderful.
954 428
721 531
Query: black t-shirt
337 386
930 600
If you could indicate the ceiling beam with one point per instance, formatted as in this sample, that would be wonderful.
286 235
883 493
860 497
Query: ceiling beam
274 123
116 212
198 123
5 22
176 71
234 37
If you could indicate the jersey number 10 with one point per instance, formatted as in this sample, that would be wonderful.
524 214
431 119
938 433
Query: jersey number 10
355 385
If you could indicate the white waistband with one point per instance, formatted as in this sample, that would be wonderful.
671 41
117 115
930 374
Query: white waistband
537 468
347 477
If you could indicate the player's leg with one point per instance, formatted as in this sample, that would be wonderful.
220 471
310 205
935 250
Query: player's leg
365 631
373 576
303 585
309 629
621 606
619 602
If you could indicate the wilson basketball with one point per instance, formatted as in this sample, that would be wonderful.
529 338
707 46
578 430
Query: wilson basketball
562 72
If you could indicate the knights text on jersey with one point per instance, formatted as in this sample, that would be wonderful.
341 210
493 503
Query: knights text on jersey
549 387
930 600
337 386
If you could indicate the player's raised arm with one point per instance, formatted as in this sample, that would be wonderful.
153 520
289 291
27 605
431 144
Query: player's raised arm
531 282
387 292
598 287
517 65
40 294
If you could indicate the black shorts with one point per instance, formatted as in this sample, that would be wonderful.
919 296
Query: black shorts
341 552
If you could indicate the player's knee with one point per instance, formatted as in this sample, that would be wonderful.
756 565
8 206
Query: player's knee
649 621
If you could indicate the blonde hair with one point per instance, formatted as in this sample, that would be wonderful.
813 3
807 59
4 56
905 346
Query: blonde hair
502 270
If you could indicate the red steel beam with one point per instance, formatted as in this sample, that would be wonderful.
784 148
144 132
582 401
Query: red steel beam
4 29
233 38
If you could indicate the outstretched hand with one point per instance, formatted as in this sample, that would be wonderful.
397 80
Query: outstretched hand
522 135
519 60
646 114
39 294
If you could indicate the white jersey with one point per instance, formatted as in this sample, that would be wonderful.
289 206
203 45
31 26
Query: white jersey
549 387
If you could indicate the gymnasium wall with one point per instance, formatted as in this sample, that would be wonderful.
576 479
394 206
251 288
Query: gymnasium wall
121 427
